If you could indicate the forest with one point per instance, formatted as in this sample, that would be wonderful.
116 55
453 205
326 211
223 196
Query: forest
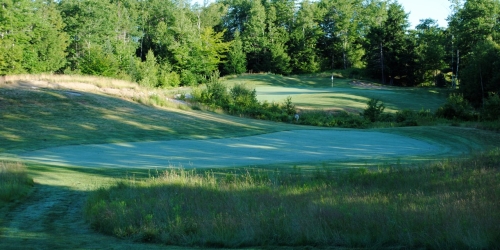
169 43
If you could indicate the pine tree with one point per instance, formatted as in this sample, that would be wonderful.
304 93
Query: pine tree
236 58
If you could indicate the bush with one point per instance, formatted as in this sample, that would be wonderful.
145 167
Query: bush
326 119
456 108
374 110
98 63
405 115
169 79
491 110
188 78
243 99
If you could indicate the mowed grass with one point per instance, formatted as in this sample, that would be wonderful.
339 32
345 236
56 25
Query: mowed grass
35 118
448 204
451 204
316 92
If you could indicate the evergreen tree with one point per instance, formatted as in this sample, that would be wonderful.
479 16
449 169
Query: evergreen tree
341 41
481 77
254 38
387 53
14 25
104 26
47 42
277 37
304 39
431 50
31 37
236 58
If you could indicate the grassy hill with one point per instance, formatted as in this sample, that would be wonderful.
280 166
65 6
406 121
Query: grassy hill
52 112
443 202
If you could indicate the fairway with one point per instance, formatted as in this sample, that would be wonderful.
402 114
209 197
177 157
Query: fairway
275 148
318 92
74 144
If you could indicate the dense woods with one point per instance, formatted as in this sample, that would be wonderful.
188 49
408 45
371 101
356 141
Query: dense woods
161 43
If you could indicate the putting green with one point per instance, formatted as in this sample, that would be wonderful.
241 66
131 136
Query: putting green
274 148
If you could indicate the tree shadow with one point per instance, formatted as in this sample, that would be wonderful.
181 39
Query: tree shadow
41 118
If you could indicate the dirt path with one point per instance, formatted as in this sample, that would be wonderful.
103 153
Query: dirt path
52 218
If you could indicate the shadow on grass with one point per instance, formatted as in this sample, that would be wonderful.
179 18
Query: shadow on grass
52 218
408 209
41 118
397 98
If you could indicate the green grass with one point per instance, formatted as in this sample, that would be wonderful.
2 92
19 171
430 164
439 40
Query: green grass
43 117
15 183
316 92
450 204
446 205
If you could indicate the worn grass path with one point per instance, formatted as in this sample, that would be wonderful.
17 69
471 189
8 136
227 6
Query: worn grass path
45 118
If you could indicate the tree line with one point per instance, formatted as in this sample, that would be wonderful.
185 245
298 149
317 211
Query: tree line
172 42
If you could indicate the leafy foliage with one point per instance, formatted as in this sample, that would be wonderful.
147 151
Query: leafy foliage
456 107
491 109
31 37
374 110
171 43
239 100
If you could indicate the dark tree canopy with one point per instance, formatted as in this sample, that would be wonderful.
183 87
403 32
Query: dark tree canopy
163 43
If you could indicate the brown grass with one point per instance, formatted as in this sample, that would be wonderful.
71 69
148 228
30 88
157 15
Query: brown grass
446 205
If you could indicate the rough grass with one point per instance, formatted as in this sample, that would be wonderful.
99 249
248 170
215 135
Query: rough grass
446 205
14 182
361 205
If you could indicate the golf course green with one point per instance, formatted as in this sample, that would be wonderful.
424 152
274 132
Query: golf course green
74 139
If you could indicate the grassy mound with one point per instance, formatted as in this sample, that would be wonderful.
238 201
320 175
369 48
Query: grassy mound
37 115
444 205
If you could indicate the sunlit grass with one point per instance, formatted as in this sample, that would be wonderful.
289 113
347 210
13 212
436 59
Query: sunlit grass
14 182
35 116
444 205
316 92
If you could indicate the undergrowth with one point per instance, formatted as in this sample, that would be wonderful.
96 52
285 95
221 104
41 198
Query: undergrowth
445 205
14 182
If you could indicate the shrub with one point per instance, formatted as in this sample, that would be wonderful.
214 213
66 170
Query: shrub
188 78
405 115
243 99
215 92
169 79
289 107
99 63
491 110
456 107
326 119
147 74
374 110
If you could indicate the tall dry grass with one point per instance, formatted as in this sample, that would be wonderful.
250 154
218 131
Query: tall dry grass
54 78
446 205
14 182
97 84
